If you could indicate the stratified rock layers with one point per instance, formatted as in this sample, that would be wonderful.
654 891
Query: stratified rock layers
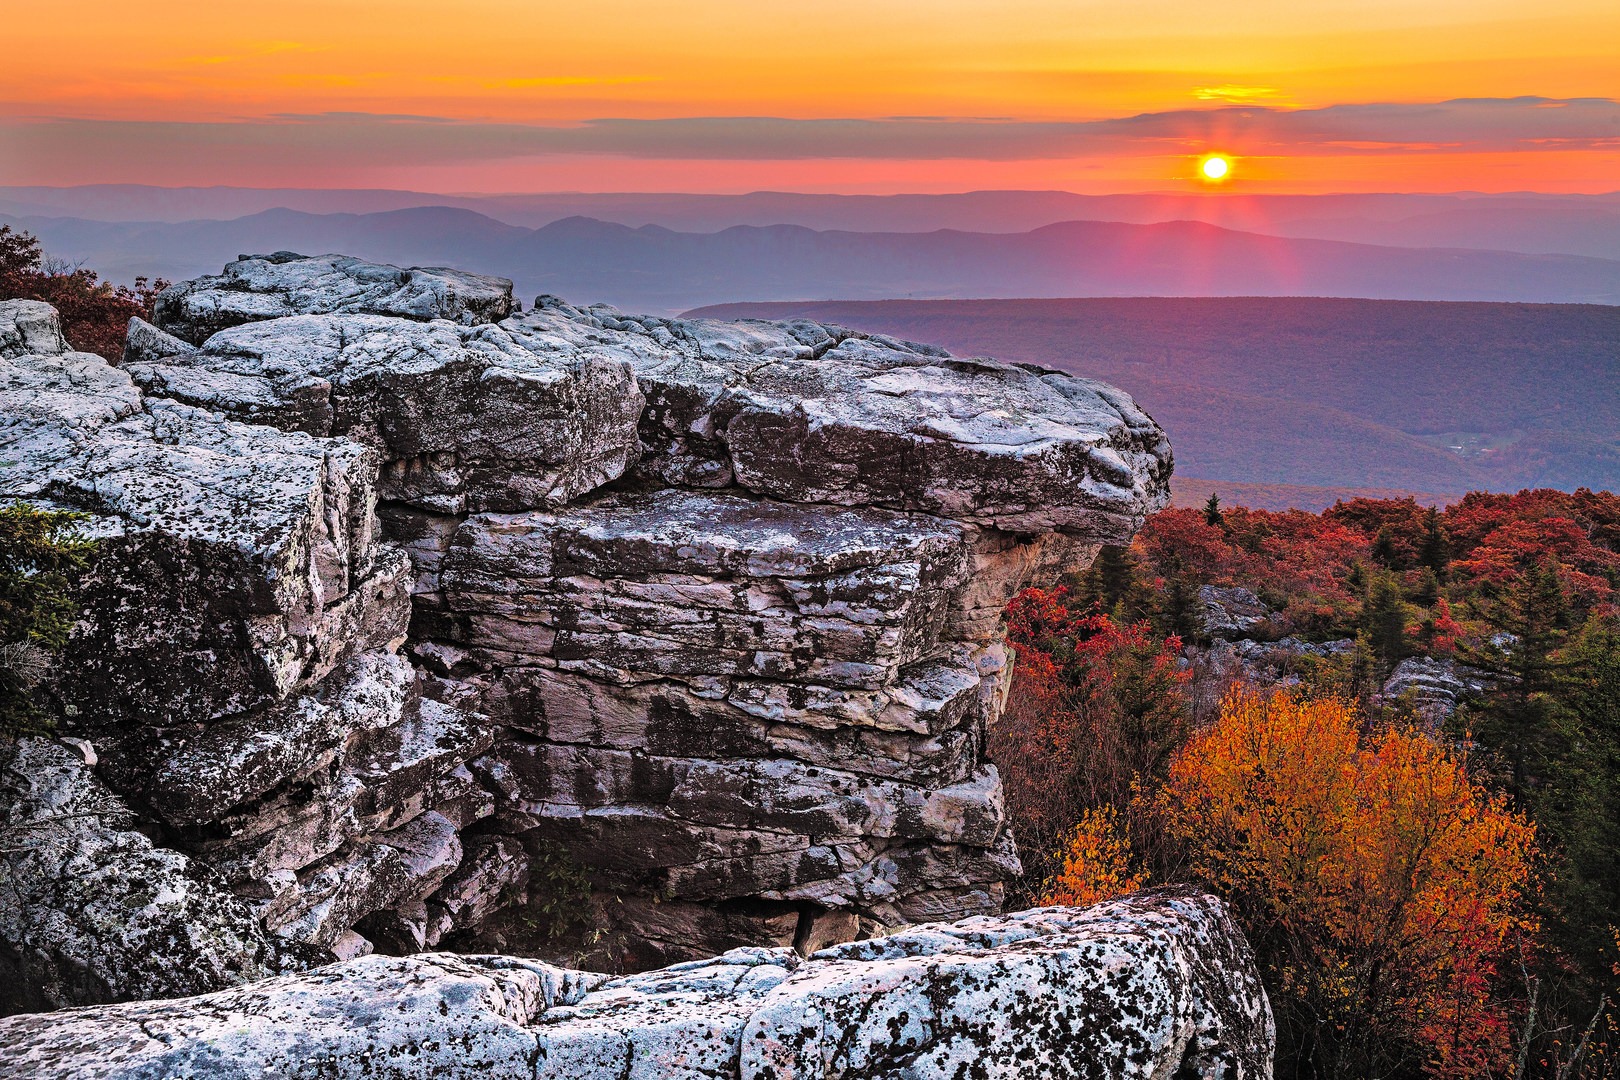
397 598
1155 986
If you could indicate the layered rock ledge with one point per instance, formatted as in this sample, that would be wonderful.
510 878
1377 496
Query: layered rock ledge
1155 986
404 592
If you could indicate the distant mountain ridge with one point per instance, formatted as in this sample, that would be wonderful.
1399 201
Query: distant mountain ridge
1525 222
656 268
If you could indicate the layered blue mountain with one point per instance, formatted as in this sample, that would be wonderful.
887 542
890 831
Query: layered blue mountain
655 268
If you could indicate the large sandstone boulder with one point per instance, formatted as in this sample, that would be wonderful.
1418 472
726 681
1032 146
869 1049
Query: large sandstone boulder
256 287
1150 987
406 600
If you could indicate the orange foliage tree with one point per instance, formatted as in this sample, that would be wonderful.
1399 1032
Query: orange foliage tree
1381 887
1095 862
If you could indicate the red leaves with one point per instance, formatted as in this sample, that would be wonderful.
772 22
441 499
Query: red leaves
95 314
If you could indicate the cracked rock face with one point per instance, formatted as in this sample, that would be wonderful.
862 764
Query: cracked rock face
465 417
403 593
92 910
814 414
1158 985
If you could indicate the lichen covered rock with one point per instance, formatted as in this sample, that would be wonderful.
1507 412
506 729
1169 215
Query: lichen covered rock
256 287
92 910
464 417
1153 986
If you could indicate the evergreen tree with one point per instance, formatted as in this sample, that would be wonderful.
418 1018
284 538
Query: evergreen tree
1384 552
1212 512
1113 585
1177 610
1383 618
1434 552
1518 722
1578 803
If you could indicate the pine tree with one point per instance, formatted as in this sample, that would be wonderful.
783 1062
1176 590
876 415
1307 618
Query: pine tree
1517 722
1578 804
1384 552
1212 512
1112 584
1383 618
1177 609
1434 552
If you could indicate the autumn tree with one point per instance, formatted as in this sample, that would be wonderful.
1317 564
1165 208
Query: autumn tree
1094 863
95 314
1095 707
1381 887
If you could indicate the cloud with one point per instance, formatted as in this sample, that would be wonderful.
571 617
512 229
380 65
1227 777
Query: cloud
1233 94
365 139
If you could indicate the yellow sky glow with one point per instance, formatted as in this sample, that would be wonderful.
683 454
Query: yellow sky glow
512 61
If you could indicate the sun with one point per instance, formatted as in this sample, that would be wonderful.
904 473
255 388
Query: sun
1214 167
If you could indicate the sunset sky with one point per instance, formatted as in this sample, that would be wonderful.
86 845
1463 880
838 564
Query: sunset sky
868 96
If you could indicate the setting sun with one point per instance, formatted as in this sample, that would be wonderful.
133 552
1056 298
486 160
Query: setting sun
1215 167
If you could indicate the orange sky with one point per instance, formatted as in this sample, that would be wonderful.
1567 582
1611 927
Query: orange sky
487 95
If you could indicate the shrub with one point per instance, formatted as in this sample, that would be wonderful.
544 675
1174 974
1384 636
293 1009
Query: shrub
1095 707
39 552
95 314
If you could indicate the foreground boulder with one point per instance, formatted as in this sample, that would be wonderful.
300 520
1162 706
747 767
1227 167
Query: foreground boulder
408 604
1157 985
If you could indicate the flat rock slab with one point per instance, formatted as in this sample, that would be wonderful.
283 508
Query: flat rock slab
257 287
822 414
1145 987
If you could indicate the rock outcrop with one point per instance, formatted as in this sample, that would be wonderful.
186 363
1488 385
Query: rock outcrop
1231 612
402 593
1435 686
235 669
273 286
1155 986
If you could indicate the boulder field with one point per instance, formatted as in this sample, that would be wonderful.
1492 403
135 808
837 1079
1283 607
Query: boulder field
409 605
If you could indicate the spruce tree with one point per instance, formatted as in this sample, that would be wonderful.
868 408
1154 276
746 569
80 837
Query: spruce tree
1384 617
1434 552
